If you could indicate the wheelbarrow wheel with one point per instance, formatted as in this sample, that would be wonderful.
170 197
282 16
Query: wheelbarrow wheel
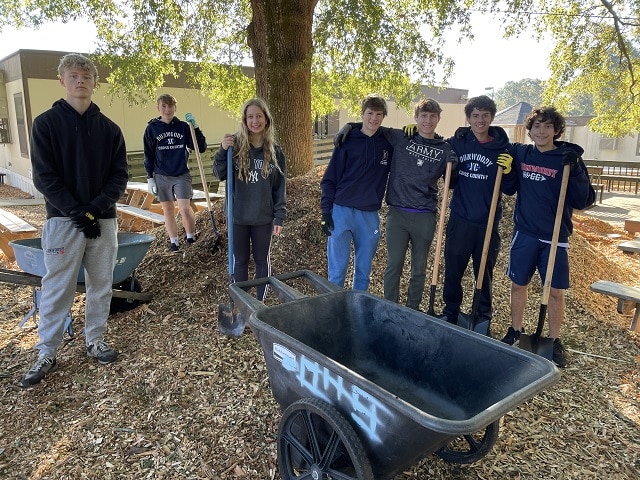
471 447
316 441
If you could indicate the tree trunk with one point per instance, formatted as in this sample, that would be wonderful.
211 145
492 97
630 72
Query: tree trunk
286 26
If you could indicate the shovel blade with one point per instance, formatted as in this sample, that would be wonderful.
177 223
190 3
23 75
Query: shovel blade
469 322
228 323
542 346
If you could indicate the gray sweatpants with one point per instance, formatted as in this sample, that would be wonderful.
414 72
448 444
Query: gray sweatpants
65 250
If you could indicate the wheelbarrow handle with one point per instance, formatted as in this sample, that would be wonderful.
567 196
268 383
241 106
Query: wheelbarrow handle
245 303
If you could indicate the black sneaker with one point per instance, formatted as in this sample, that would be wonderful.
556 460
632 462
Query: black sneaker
512 336
173 247
102 352
43 366
191 241
558 354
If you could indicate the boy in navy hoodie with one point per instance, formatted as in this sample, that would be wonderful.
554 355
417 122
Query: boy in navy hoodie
167 141
538 178
353 187
481 150
79 163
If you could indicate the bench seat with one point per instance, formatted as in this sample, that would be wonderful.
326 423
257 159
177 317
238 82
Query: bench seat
13 227
628 299
131 217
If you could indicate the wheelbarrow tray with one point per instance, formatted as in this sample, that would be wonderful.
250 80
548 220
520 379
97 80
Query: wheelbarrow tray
407 382
132 247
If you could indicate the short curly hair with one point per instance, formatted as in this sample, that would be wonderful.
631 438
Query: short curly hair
547 114
481 102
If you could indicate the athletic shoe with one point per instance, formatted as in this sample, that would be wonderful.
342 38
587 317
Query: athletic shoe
173 247
191 241
558 354
512 336
43 366
102 352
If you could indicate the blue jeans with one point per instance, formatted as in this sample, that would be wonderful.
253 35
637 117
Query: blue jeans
363 229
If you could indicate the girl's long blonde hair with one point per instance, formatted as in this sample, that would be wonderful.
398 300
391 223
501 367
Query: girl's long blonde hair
244 145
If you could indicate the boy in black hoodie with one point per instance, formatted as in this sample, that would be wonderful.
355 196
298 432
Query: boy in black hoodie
537 180
79 163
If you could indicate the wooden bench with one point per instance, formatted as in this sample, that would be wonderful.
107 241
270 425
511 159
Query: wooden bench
632 226
13 227
631 246
628 299
621 179
131 218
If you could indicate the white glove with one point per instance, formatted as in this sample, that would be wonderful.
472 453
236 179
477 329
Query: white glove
153 188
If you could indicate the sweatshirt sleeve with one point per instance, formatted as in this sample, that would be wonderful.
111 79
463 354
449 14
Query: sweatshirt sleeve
509 185
280 190
220 164
330 179
580 192
116 184
149 151
47 176
202 142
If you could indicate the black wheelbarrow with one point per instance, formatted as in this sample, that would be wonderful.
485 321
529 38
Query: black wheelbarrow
368 387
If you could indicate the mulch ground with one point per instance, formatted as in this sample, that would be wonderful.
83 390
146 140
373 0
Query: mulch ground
184 402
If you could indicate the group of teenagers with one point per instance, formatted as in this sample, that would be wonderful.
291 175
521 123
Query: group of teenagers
79 165
372 163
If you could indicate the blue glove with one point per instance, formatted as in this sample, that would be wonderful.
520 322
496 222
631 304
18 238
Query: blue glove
341 136
191 119
153 188
505 160
327 224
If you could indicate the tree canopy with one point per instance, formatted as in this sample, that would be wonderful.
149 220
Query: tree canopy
310 54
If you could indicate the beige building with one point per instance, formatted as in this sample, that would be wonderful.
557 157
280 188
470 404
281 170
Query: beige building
29 85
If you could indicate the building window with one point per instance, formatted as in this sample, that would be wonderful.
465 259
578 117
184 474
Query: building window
4 131
22 125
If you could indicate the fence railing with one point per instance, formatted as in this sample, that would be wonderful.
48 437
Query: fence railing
617 175
322 149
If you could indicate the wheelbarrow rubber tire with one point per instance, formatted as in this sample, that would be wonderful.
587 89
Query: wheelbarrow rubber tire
471 447
314 437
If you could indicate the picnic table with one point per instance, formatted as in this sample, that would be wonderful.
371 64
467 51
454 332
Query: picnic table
139 205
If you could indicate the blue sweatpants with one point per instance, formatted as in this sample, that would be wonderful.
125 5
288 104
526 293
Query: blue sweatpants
362 228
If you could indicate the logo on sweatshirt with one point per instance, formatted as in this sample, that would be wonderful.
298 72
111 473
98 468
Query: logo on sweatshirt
385 158
537 173
55 251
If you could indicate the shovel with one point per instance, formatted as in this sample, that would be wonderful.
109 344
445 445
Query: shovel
228 324
543 346
470 321
205 187
436 255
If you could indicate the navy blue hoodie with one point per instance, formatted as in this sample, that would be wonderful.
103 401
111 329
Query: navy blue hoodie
78 160
166 144
537 181
357 173
477 169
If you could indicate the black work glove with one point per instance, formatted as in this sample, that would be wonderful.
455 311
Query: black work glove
570 157
327 224
85 219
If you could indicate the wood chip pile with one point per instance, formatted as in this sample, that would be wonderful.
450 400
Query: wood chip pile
184 402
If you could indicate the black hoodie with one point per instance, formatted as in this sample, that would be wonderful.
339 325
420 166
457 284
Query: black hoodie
78 159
